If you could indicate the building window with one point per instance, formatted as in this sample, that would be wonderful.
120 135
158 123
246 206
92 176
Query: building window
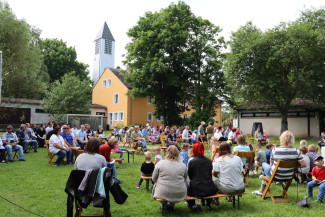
101 113
149 100
247 114
185 104
39 111
274 114
150 117
121 116
260 114
97 44
108 46
184 116
160 118
115 116
116 99
104 83
109 82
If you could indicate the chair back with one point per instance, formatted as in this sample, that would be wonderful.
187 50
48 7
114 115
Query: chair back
281 164
215 151
163 139
247 154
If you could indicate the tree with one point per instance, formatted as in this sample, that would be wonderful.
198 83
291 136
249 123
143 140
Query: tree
277 66
22 58
61 59
69 95
206 75
157 58
175 57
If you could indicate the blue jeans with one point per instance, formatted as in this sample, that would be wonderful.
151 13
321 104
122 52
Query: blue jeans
26 144
61 154
16 147
143 144
112 165
266 169
121 151
321 193
81 145
118 136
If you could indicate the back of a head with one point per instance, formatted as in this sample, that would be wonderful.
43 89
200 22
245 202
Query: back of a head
241 139
198 149
112 141
287 139
224 149
269 146
303 149
92 146
148 155
185 146
157 149
172 153
190 153
303 142
312 148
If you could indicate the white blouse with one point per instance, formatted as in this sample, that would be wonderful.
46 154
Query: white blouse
56 140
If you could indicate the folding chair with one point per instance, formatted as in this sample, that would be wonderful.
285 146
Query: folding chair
206 144
280 164
216 150
135 146
248 154
163 139
15 155
51 155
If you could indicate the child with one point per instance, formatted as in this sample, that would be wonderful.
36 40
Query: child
184 153
146 168
156 151
318 176
303 142
260 157
312 153
268 153
119 150
305 170
190 155
265 136
322 144
2 153
214 145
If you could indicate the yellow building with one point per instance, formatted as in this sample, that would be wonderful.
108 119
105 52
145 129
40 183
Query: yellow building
110 98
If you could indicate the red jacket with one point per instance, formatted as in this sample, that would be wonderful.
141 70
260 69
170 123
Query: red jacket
105 150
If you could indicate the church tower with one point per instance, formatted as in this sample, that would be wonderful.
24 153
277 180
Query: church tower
104 52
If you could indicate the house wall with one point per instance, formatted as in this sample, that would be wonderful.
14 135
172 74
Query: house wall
217 117
140 110
104 96
297 125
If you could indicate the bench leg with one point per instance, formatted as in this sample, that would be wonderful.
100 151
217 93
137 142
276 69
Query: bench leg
234 201
133 157
238 202
128 157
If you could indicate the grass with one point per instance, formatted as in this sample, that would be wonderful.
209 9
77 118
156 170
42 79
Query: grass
39 187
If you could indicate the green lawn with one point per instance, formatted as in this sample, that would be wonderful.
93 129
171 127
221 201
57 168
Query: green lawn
39 187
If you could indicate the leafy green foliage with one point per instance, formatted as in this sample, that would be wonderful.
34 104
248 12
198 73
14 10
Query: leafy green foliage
175 57
69 95
279 65
23 69
61 59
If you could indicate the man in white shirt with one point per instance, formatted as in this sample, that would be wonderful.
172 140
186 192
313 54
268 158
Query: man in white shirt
10 141
49 128
186 135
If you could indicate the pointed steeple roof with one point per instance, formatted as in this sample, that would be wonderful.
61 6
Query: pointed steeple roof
105 33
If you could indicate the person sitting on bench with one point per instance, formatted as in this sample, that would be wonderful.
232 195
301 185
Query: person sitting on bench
199 173
147 167
170 176
227 172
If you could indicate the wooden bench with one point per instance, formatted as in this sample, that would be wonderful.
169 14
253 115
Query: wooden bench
147 179
217 195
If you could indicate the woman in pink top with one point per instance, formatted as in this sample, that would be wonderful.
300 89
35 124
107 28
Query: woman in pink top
214 145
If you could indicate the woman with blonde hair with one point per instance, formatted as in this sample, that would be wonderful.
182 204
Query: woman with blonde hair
169 177
285 152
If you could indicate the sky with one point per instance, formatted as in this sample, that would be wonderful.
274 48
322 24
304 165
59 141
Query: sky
77 22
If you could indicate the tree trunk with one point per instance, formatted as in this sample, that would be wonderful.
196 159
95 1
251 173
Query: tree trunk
284 121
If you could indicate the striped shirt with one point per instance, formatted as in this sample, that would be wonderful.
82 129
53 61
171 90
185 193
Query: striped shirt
285 154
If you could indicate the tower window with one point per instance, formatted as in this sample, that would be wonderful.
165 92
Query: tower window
108 46
97 44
